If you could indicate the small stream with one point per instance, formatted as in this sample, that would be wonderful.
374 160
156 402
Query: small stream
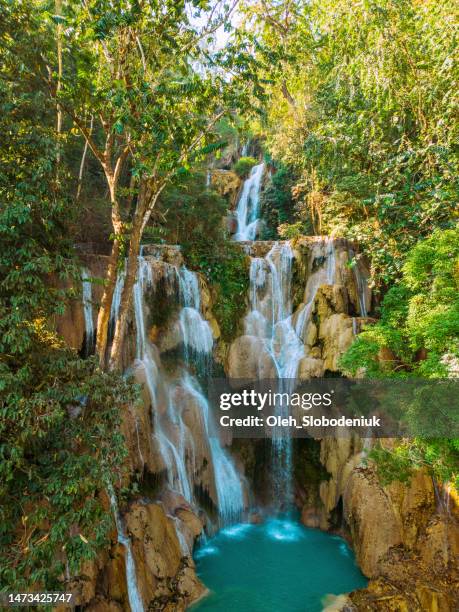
276 566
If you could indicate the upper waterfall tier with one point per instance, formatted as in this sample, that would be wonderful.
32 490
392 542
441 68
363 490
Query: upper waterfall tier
306 299
248 207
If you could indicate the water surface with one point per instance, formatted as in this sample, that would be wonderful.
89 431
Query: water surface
278 566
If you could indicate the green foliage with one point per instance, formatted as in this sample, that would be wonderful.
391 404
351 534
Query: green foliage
365 117
228 276
243 166
439 456
277 205
419 315
192 216
419 331
290 231
60 437
60 443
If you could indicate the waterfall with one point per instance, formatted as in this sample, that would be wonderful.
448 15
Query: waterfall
230 496
270 319
195 330
317 276
174 461
331 261
89 336
354 326
360 283
247 211
175 441
135 600
116 301
197 336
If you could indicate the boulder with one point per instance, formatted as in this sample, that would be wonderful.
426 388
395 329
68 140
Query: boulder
163 573
310 368
249 357
337 335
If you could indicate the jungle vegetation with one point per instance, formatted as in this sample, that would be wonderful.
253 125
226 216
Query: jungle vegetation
111 115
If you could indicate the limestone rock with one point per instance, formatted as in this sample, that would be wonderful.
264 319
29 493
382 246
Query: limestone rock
227 184
214 326
249 358
230 223
374 525
310 368
311 334
136 427
102 605
337 335
310 517
71 325
162 571
402 542
331 299
170 336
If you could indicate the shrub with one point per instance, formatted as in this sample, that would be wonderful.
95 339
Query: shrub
244 165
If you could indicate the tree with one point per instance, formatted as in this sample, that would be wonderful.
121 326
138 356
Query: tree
155 90
419 330
372 137
60 440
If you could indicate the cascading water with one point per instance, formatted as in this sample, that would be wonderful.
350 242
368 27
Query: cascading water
87 311
174 439
135 600
248 208
174 461
317 276
230 495
274 344
361 285
116 302
196 332
270 319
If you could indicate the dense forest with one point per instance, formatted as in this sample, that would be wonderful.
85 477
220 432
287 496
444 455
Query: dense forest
112 116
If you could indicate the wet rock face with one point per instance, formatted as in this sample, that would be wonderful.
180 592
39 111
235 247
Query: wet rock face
249 357
71 325
164 253
404 542
165 574
227 184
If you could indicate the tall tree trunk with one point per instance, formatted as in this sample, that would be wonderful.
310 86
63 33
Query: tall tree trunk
132 265
83 160
103 318
147 198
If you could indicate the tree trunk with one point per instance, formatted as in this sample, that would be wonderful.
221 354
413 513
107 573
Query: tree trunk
147 198
103 318
126 298
83 160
